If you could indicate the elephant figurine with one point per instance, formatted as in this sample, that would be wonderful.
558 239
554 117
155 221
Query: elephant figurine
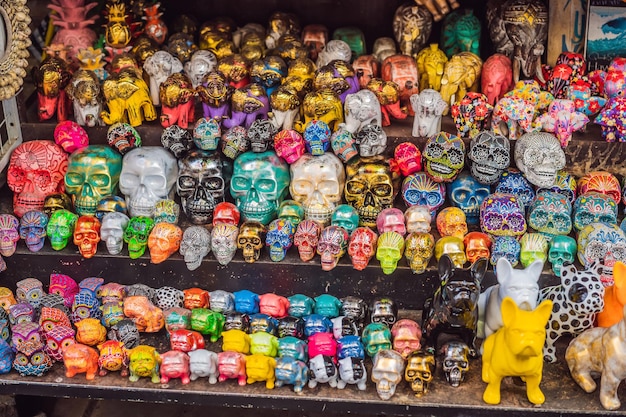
512 116
361 109
412 25
612 120
431 62
471 114
176 94
323 105
402 70
581 94
86 94
460 75
388 95
338 76
128 98
215 93
50 78
461 33
428 107
531 91
496 77
248 104
562 119
285 105
159 66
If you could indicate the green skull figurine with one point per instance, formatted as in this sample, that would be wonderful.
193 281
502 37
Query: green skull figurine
534 246
291 210
376 337
259 184
60 228
136 235
390 250
562 250
345 216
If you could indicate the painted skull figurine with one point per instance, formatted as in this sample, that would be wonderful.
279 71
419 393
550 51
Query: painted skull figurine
455 361
505 247
250 240
565 184
419 249
418 219
601 182
344 145
389 251
93 172
372 140
136 235
111 204
292 211
306 239
387 372
406 335
177 140
112 231
60 228
123 137
562 251
453 247
467 193
289 145
166 211
261 135
279 238
195 245
9 234
593 207
345 216
551 214
224 242
444 157
235 142
33 229
206 134
420 190
604 244
56 201
201 185
539 156
451 221
376 337
477 245
514 182
331 246
420 370
259 184
502 215
407 158
533 247
391 220
361 247
87 235
164 240
38 160
316 137
490 155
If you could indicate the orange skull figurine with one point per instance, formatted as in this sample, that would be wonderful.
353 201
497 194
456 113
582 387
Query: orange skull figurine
164 240
477 245
87 235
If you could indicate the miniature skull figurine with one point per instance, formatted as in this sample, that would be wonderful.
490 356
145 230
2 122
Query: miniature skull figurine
332 245
451 221
467 193
279 238
593 207
33 229
408 158
343 144
420 370
9 234
361 247
505 247
345 216
539 156
389 251
601 182
604 244
514 182
533 247
289 145
444 157
406 335
418 219
177 140
136 235
250 240
455 361
261 135
306 239
420 190
490 155
148 175
317 183
502 215
87 235
387 372
110 204
428 107
235 142
196 244
419 248
372 140
391 220
562 251
477 245
56 201
453 247
224 242
316 137
200 185
292 211
123 137
206 134
227 213
166 211
112 231
551 214
164 240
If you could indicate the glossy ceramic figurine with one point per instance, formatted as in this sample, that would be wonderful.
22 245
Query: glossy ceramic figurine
7 356
207 322
418 219
246 302
376 337
54 202
33 229
467 193
428 107
361 108
489 156
361 247
592 207
550 214
136 235
419 249
515 183
562 250
461 32
232 365
512 116
614 298
248 104
534 246
460 75
387 372
453 308
451 221
430 65
203 363
113 357
273 305
411 27
390 248
332 246
263 323
289 145
346 326
80 358
505 247
352 371
51 77
335 49
144 362
250 240
174 364
406 337
444 157
146 316
316 323
164 240
604 244
391 220
128 99
345 216
224 242
186 340
59 229
87 235
322 344
7 299
260 368
322 370
477 245
515 350
222 301
420 370
496 77
453 247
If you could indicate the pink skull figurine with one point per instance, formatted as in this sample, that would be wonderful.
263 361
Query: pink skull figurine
289 145
496 77
332 246
70 136
406 336
362 247
407 159
9 234
562 119
37 168
391 220
306 239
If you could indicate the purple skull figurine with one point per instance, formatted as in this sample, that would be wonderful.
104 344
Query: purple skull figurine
502 215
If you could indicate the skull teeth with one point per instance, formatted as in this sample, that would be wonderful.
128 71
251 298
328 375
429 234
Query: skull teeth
485 169
440 168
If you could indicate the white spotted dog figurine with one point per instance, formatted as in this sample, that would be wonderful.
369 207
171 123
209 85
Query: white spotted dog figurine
575 304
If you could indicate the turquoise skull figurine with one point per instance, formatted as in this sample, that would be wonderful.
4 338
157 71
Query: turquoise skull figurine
551 214
593 207
345 216
562 251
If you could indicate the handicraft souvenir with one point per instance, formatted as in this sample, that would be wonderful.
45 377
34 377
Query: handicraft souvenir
444 157
420 190
224 242
467 193
550 214
604 244
200 184
419 248
362 247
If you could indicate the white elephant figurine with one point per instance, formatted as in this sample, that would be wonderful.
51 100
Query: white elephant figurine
202 62
428 106
160 66
361 109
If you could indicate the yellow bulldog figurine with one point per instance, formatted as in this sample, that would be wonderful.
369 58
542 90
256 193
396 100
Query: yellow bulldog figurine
261 368
516 349
236 340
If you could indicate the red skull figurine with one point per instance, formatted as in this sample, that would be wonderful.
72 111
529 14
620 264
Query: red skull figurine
306 238
362 247
407 159
226 213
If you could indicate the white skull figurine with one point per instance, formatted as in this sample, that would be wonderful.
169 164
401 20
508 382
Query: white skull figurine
159 66
490 155
317 183
112 231
361 108
196 244
539 156
335 49
202 62
418 219
387 372
428 107
148 175
224 242
372 140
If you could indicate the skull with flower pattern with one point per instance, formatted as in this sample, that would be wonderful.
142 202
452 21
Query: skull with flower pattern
444 157
513 182
279 238
502 215
551 214
603 243
593 207
601 182
420 190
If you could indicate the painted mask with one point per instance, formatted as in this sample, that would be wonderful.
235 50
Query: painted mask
513 182
206 134
164 240
56 201
250 240
64 286
292 211
316 137
344 145
123 137
261 135
224 242
562 251
226 213
112 231
306 239
279 238
533 247
195 245
502 215
539 156
259 184
406 337
467 193
332 245
593 207
419 371
551 214
289 145
505 247
477 245
345 216
235 142
36 169
490 155
200 185
60 228
391 220
317 183
389 251
418 219
33 229
453 247
420 189
371 186
177 140
601 182
408 158
87 235
419 248
444 156
9 234
246 302
451 221
563 184
136 235
376 337
92 173
361 247
604 244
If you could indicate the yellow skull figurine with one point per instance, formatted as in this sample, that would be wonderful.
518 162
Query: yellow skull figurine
452 246
451 221
419 250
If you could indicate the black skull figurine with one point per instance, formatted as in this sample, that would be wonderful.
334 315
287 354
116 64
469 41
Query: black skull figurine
383 310
261 135
177 140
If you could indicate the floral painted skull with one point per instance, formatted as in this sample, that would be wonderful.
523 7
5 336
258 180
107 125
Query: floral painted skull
195 245
593 207
112 231
490 155
166 211
92 173
502 215
505 247
306 239
444 156
562 251
533 247
316 137
551 214
332 245
477 245
279 238
604 244
9 234
563 184
451 221
206 134
289 145
235 142
250 240
372 140
36 169
389 251
176 140
601 182
467 193
418 219
261 135
344 145
408 158
539 156
87 235
60 228
136 235
419 248
345 216
420 189
362 247
391 220
33 229
453 247
513 182
164 240
224 242
123 137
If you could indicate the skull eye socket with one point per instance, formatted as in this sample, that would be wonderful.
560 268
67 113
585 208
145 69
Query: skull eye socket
99 180
185 181
265 185
213 183
434 150
355 187
74 179
455 156
239 183
596 250
619 252
154 181
381 190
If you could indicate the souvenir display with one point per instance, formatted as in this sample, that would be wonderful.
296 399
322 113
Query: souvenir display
602 244
419 189
539 156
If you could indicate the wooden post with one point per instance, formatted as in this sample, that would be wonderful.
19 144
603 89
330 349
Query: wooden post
566 30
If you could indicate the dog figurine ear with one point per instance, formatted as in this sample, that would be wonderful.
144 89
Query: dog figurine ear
446 267
479 268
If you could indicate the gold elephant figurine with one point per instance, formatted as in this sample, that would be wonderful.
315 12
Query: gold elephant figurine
461 74
177 94
128 99
431 62
324 105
